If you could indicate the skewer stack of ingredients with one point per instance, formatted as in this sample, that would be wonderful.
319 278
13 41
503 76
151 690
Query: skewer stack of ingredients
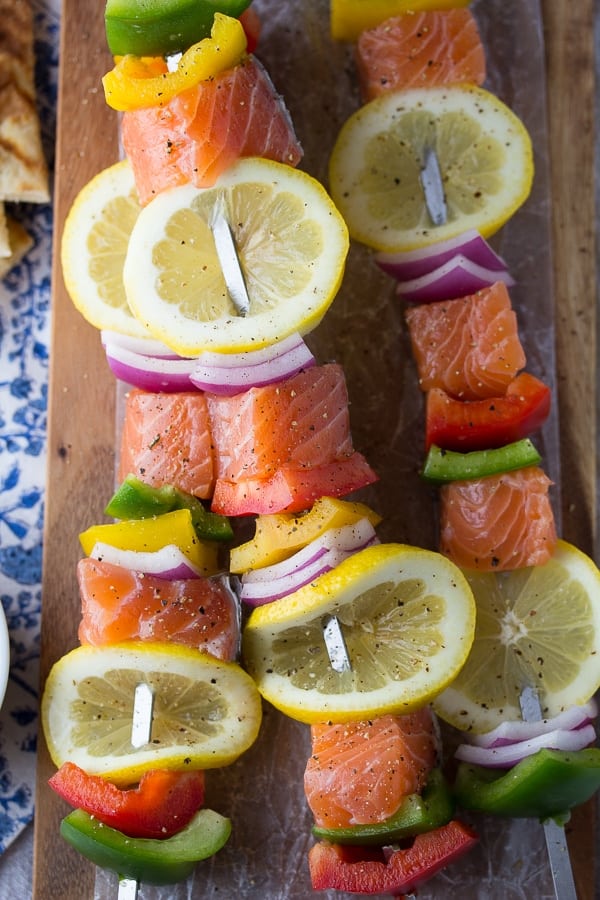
398 174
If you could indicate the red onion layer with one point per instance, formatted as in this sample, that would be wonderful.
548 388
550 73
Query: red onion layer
415 263
508 755
232 373
168 562
321 555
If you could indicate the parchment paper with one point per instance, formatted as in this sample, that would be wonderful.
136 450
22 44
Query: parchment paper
266 856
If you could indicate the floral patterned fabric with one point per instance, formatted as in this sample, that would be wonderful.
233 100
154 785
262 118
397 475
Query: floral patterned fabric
24 341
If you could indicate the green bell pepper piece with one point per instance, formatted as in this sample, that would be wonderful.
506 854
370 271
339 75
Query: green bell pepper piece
543 786
449 465
417 814
162 27
135 500
143 859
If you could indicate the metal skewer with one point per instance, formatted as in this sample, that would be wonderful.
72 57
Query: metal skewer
336 645
141 723
556 842
141 732
433 188
228 257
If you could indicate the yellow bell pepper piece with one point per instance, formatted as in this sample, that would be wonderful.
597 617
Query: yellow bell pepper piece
350 17
152 534
138 82
277 537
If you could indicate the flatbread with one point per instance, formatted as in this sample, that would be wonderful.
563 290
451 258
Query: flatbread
23 169
20 242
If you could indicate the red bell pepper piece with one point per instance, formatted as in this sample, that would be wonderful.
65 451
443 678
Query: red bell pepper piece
252 26
365 870
484 424
162 804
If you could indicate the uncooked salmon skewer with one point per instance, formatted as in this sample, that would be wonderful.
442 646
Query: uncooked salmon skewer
556 844
558 851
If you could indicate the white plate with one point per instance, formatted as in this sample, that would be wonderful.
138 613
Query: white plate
4 655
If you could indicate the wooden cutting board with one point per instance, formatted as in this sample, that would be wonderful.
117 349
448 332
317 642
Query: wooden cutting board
572 110
81 432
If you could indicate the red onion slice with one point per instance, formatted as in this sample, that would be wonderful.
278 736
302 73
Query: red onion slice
262 592
511 732
347 538
145 346
151 373
414 263
321 555
506 756
458 277
169 562
232 373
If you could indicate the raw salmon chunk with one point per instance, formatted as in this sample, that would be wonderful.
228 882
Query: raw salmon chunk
302 422
468 347
203 130
420 49
166 440
120 605
500 522
359 772
281 447
292 489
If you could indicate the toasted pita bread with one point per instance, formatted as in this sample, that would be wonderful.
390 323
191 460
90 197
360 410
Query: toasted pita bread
20 242
23 169
16 32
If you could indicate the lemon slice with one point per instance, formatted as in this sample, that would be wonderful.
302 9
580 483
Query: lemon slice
93 247
291 244
537 626
485 161
206 712
407 617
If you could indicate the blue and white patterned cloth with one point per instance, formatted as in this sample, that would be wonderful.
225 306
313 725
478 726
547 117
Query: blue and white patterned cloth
24 350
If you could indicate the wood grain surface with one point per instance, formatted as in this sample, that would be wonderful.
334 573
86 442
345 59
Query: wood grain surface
81 403
81 417
571 110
